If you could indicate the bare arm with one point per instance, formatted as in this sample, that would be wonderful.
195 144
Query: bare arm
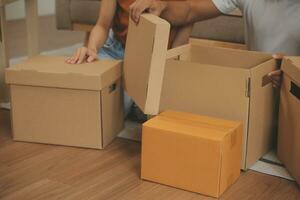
100 31
98 34
178 13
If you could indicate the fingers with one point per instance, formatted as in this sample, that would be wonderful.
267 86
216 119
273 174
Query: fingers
82 56
75 57
72 59
275 77
278 56
137 8
278 59
91 56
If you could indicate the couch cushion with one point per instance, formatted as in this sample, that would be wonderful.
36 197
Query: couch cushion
84 11
223 28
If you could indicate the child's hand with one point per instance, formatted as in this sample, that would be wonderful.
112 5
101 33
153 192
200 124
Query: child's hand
81 55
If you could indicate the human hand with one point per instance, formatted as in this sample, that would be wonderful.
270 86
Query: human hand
276 76
82 54
154 7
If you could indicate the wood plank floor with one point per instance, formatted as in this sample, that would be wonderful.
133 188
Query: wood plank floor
36 171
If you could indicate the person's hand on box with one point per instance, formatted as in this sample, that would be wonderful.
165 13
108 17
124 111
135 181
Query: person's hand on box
276 75
154 7
81 55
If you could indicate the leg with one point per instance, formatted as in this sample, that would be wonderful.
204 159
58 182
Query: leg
4 62
32 27
182 36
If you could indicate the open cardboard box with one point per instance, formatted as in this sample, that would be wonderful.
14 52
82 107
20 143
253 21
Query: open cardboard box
289 117
218 82
57 103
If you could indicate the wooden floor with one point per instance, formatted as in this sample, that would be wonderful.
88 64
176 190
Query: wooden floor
50 38
36 171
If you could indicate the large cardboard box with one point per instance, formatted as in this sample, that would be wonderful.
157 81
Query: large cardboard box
219 82
57 103
192 152
289 117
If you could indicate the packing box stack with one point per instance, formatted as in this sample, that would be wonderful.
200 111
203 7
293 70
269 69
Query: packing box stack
56 103
217 82
289 117
192 152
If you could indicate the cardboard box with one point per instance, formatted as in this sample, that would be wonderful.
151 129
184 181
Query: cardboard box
289 117
57 103
219 82
192 152
215 43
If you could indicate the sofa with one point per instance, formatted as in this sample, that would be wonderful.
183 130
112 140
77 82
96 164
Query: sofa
81 15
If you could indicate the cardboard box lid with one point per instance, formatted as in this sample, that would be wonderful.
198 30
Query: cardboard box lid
291 67
144 62
52 71
146 56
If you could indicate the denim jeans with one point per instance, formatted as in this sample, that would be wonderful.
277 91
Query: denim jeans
113 49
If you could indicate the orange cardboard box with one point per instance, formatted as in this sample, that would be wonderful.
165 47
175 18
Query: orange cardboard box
192 152
213 81
57 103
289 117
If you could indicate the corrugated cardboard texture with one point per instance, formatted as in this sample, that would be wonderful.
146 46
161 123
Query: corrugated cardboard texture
56 116
112 111
227 57
191 152
213 81
52 71
262 116
289 118
144 61
46 108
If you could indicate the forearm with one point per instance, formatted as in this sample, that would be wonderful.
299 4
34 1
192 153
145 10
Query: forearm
190 11
98 37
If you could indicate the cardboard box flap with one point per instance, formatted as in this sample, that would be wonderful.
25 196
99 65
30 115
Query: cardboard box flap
52 71
226 57
144 61
262 112
291 67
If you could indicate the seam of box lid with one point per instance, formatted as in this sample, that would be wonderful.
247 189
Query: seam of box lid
185 133
12 113
28 85
191 123
220 168
247 132
101 119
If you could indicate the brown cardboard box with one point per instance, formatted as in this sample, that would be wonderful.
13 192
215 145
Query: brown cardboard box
289 117
219 82
192 152
57 103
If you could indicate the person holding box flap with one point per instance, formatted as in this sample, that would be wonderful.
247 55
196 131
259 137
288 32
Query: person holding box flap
108 38
271 25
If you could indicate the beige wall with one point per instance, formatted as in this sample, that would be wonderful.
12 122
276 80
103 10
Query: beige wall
16 9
